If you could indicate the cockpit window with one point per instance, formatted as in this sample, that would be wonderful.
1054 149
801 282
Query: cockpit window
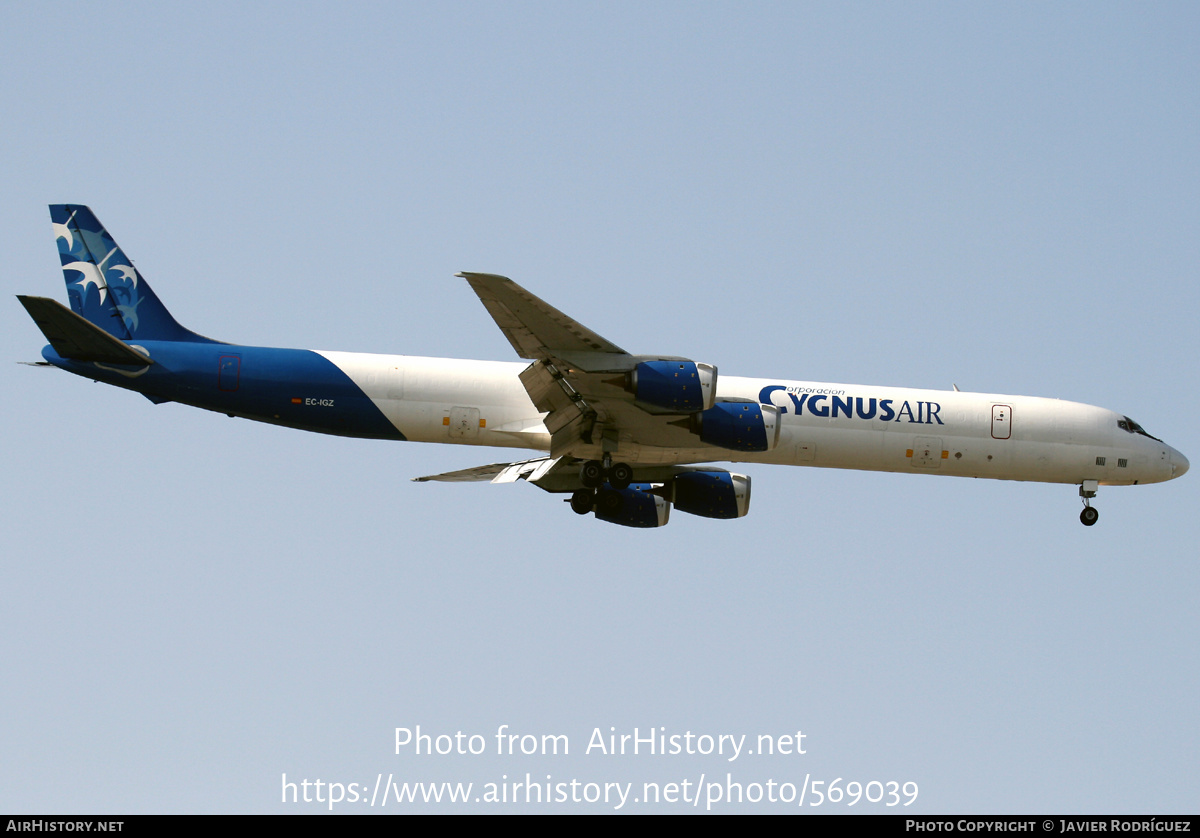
1129 426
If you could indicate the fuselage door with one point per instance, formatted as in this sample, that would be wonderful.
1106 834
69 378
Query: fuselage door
1001 421
464 422
927 452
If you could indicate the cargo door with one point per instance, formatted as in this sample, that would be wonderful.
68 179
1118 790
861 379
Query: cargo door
927 452
463 422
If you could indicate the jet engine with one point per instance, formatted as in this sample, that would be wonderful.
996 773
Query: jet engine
674 386
632 507
738 426
711 494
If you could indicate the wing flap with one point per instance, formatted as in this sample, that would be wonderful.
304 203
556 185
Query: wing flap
478 474
547 392
531 470
569 418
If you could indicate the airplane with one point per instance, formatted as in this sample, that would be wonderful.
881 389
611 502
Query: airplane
626 437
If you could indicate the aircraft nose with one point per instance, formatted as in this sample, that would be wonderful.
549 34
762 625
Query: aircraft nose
1179 464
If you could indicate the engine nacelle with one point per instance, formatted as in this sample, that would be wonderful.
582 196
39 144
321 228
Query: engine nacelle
674 386
632 507
739 426
712 494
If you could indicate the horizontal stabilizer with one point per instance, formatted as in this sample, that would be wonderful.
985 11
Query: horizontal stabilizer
74 337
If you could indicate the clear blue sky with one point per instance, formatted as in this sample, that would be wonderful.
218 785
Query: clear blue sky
1002 197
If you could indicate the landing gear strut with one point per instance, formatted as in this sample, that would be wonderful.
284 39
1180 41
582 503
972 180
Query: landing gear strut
1090 515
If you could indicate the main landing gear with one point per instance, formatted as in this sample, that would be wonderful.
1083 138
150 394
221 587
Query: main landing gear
593 474
1090 515
608 501
582 501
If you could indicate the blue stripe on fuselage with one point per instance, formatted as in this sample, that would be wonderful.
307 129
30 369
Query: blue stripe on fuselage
293 387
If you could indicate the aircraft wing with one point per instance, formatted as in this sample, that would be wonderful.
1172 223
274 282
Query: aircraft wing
577 377
530 470
535 328
554 474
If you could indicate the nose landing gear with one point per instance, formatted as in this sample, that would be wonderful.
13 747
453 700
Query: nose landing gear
1090 515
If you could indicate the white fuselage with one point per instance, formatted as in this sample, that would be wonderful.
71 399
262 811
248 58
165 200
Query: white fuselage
825 425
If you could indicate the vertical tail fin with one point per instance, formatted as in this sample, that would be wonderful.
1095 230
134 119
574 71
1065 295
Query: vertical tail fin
103 285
